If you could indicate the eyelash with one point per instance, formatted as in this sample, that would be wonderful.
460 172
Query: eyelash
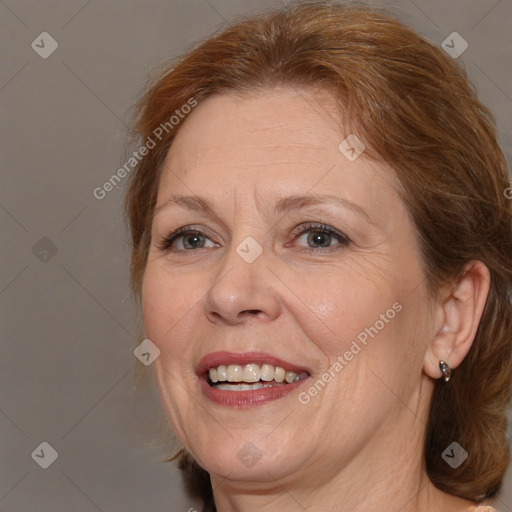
166 243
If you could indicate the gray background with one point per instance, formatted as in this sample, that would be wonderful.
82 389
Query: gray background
69 326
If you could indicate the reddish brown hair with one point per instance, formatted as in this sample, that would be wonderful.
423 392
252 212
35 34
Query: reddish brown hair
415 110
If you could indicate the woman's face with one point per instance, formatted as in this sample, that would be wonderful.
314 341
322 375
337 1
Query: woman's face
296 254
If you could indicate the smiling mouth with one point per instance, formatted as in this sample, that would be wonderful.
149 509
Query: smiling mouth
251 376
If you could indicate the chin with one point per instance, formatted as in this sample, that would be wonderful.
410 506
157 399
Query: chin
239 459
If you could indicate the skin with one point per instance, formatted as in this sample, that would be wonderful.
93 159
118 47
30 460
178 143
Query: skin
358 443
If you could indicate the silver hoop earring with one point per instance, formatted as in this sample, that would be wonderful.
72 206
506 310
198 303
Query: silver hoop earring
446 371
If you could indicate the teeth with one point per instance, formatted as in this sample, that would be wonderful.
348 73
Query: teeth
280 373
267 373
290 377
234 373
248 387
244 387
252 374
222 372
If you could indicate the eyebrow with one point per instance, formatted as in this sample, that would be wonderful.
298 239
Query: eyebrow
284 205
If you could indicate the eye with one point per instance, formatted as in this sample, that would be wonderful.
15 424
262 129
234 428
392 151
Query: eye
320 236
185 239
316 236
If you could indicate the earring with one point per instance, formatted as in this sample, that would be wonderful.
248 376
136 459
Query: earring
445 370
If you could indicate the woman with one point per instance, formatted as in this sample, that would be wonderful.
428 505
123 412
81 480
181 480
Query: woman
322 249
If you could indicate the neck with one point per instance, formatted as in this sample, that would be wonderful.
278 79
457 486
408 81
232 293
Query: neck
422 497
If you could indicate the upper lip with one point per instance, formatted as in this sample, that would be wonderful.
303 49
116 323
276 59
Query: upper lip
215 359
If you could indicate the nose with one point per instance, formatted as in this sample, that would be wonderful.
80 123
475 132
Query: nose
242 291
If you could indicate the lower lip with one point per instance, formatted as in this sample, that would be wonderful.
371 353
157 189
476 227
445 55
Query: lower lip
247 399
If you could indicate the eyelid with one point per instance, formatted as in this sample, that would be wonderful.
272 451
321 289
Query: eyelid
166 242
309 226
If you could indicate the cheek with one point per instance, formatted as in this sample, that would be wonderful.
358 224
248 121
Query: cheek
362 315
153 296
342 306
166 306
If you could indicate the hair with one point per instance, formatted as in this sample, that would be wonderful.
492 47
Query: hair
415 109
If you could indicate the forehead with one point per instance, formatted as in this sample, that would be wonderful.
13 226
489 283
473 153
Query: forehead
263 124
279 140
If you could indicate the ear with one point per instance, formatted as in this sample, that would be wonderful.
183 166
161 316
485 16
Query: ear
457 317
